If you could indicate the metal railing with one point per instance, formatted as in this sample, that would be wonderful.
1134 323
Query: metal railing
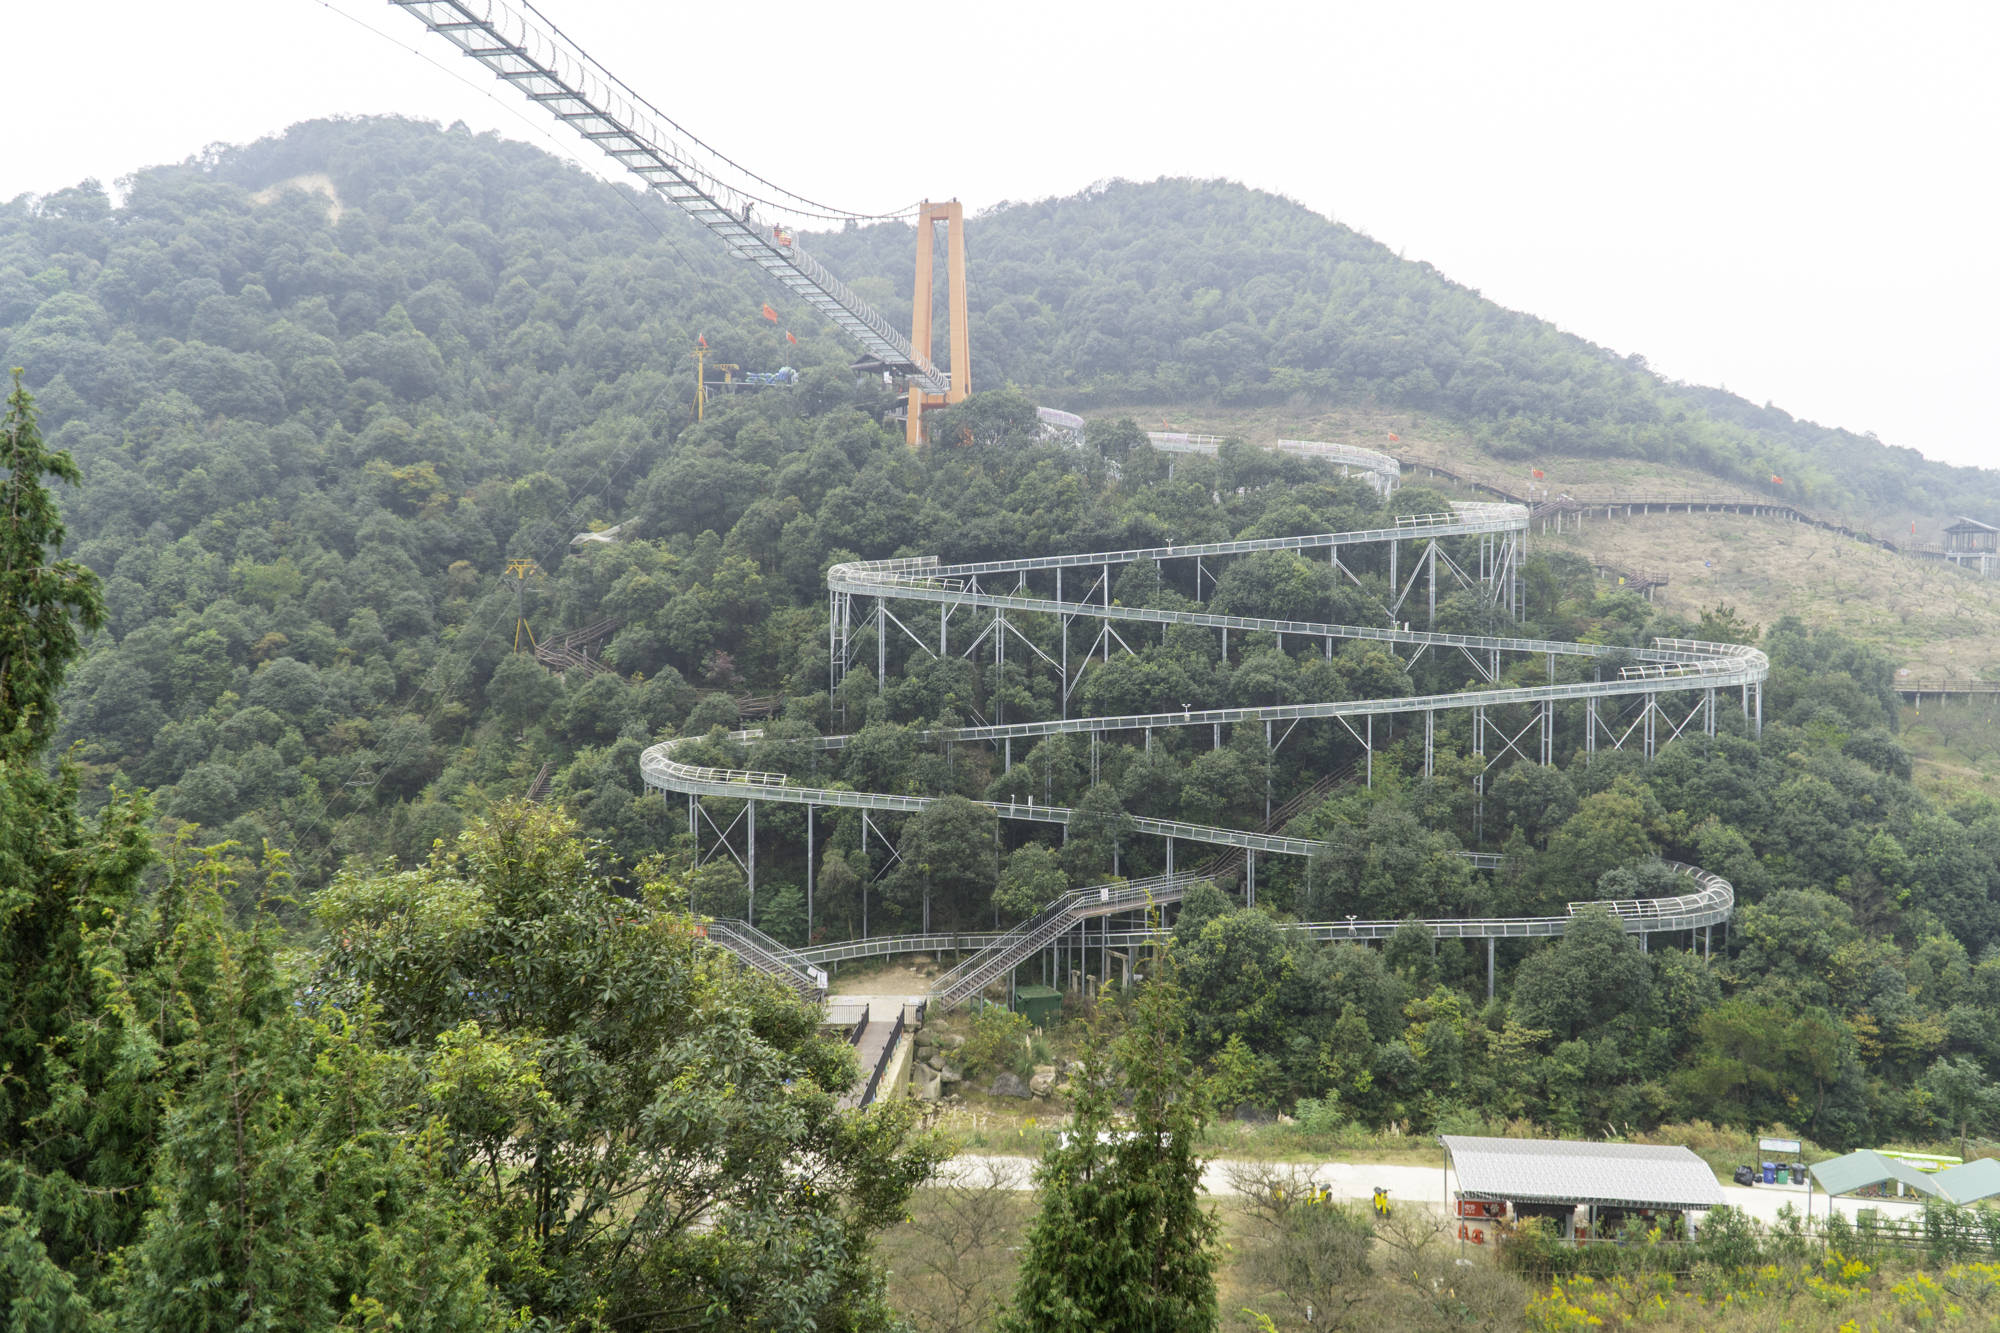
874 1083
1378 464
1671 665
1467 519
1051 923
765 954
996 953
1938 685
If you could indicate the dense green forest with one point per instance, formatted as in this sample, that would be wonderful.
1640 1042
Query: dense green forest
504 1094
312 434
312 426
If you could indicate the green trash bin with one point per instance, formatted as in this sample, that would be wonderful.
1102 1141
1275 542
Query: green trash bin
1040 1005
1784 1173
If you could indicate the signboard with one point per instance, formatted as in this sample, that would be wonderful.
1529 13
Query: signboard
1792 1146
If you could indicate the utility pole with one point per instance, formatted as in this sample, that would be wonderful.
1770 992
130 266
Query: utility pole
519 571
700 377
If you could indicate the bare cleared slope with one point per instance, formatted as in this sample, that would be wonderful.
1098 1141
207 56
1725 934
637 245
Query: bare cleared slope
1932 619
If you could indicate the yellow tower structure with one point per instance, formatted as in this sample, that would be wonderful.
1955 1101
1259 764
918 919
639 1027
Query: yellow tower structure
952 214
520 571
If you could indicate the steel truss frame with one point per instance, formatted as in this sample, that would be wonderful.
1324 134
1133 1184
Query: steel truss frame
1670 669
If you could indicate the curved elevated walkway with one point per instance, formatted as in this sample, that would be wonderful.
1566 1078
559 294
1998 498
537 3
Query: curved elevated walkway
993 956
1003 588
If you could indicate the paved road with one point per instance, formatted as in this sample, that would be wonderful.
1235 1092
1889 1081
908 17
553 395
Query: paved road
1432 1185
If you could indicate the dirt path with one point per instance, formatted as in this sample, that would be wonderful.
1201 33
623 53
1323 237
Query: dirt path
898 980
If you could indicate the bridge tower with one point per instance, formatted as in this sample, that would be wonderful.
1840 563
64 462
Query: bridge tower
924 302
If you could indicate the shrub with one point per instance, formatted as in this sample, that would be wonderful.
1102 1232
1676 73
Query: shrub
998 1041
1319 1116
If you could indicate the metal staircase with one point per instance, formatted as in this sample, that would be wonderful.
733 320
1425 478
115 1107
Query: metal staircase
571 652
1001 957
760 951
998 959
1231 859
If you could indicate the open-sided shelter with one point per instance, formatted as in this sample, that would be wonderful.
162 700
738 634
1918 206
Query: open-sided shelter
1612 1181
1865 1168
1975 1180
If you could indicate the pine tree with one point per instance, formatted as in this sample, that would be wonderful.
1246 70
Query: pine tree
79 1065
284 1196
1122 1241
42 600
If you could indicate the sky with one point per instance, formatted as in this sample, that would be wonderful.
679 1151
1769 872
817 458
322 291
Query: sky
1792 200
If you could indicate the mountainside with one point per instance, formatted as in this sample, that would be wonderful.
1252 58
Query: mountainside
325 388
1181 290
384 457
322 389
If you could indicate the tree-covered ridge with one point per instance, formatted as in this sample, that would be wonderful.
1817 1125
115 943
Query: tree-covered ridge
503 1095
310 640
313 435
1184 291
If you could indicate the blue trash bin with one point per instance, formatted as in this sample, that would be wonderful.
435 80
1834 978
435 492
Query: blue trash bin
1770 1173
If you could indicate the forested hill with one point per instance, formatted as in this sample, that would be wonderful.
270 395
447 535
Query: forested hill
314 424
324 388
1182 291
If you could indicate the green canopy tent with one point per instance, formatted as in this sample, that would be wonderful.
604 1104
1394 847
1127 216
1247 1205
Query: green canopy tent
1864 1168
1971 1182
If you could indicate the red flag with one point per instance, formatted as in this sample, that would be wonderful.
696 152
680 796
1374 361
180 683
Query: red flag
1777 480
1538 474
701 341
791 337
769 313
1395 438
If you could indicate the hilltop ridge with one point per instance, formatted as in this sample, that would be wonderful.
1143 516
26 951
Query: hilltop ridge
1217 296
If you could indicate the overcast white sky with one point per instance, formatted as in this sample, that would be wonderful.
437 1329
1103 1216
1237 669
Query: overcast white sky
1795 200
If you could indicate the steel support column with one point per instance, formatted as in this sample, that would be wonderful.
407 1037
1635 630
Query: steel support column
1431 558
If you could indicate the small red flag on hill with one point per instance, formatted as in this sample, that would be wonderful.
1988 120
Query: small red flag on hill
700 340
769 313
1538 474
791 337
1777 480
1395 438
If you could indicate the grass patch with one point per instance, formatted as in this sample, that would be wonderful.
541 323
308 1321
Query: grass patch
1935 620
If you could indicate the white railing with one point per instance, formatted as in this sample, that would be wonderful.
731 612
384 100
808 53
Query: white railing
1672 665
1384 468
